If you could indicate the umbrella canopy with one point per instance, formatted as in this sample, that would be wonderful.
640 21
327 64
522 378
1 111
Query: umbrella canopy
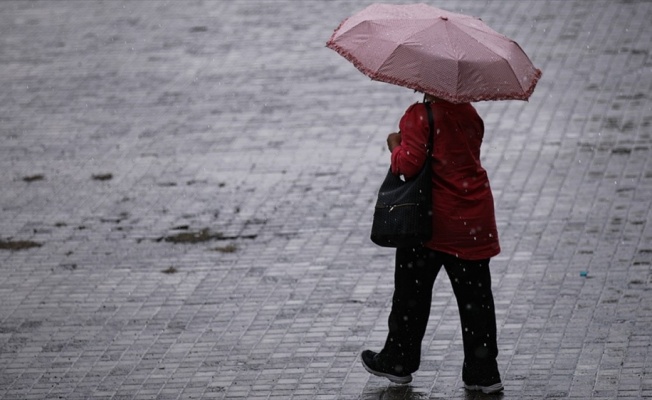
451 56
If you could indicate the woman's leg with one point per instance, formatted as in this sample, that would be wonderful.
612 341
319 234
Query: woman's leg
471 283
414 276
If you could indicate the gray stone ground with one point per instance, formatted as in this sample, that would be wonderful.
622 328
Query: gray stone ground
129 126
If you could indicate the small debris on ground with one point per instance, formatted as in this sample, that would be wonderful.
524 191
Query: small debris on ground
16 245
33 178
193 237
102 177
230 248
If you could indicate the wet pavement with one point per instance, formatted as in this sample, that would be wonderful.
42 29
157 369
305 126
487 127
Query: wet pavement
187 191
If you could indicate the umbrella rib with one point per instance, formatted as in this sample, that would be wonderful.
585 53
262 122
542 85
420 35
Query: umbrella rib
371 72
527 92
513 73
374 74
457 62
450 45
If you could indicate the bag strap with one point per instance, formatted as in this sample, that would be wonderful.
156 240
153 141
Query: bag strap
431 127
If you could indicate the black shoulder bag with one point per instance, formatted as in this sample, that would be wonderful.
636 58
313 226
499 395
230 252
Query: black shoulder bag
403 214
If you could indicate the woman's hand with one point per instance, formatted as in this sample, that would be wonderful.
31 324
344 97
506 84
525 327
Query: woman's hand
393 140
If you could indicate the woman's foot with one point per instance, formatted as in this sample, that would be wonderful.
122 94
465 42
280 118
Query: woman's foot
377 365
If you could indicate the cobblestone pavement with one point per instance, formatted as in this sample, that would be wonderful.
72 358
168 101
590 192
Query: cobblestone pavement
187 191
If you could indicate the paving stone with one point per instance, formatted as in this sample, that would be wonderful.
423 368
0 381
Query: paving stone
127 124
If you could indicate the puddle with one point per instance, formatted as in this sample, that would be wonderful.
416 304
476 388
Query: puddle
201 236
204 235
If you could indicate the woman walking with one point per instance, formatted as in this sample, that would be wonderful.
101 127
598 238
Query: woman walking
464 240
460 60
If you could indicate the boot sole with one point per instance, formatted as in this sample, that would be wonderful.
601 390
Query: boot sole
495 388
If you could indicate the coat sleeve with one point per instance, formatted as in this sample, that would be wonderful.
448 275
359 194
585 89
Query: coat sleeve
408 158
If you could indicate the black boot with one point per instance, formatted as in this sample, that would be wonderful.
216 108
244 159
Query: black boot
377 364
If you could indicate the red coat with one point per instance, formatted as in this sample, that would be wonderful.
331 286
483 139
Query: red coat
464 221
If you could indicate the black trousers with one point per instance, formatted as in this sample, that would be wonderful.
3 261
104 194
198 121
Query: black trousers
415 273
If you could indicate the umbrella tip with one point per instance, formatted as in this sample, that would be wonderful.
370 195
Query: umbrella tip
444 18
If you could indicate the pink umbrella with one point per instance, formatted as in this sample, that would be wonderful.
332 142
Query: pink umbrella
452 56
